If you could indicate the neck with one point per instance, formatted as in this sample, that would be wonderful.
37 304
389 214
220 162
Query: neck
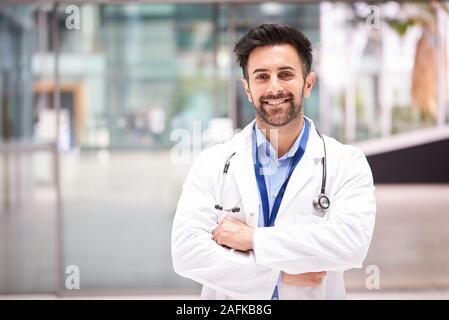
281 138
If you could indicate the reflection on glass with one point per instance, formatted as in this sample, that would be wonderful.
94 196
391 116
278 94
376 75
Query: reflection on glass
144 70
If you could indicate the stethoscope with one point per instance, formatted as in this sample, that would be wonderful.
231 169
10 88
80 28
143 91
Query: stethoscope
235 208
321 202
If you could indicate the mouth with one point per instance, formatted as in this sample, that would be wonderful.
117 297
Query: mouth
276 102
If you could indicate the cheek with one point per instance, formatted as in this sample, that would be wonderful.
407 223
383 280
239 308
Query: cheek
296 88
254 94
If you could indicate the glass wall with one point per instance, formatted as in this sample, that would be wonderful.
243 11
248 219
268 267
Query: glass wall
132 73
28 172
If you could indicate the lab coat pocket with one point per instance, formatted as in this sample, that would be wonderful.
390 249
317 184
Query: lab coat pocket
309 218
312 215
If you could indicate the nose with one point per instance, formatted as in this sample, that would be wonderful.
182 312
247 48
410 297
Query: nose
275 86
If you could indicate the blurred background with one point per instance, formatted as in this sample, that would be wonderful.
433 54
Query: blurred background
105 104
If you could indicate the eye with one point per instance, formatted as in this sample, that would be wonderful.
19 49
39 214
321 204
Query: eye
262 76
286 75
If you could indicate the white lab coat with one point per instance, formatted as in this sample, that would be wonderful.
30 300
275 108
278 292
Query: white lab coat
301 240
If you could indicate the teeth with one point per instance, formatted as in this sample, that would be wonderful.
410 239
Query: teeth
276 102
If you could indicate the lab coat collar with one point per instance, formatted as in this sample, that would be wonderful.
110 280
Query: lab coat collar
314 147
266 148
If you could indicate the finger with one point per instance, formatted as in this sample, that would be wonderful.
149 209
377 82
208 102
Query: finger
316 282
315 275
225 219
319 276
232 220
216 229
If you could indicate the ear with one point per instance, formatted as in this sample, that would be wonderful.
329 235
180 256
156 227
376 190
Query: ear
247 91
310 81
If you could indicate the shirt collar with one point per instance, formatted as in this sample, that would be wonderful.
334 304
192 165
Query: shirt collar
262 142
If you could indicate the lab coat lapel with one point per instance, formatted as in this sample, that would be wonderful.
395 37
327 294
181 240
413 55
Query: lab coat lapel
244 175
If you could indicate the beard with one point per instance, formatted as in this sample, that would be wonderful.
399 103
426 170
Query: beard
280 115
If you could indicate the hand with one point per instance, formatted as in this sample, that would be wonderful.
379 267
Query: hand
234 234
309 279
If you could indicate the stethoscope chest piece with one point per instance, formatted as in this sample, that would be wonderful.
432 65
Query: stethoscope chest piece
322 202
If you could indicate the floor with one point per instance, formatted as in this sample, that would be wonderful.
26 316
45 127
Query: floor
380 295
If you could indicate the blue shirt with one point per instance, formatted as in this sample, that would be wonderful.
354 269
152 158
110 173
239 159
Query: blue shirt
275 170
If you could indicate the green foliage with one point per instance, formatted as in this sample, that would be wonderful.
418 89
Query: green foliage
401 26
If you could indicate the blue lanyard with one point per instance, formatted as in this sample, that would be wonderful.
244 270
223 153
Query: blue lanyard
263 188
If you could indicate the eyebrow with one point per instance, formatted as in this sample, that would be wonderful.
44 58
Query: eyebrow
280 69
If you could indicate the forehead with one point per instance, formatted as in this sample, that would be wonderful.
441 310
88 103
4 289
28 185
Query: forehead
273 57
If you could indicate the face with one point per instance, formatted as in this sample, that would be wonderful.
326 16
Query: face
276 85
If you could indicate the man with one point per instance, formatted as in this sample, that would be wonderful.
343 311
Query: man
279 211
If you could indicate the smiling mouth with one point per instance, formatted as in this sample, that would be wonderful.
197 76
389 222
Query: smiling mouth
276 102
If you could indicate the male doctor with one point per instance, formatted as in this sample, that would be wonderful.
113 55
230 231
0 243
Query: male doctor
279 211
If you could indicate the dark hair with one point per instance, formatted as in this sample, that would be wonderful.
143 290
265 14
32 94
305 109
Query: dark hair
271 35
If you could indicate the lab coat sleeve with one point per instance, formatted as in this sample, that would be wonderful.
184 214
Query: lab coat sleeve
196 256
337 244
